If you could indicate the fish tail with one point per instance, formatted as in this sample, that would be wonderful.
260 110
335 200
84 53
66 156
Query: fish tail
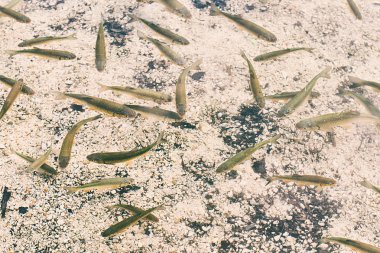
242 53
275 138
356 81
195 65
326 73
72 36
159 139
308 49
133 18
11 52
102 87
141 35
214 11
59 95
71 189
270 180
366 184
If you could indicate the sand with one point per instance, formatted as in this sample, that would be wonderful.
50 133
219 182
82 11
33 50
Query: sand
205 211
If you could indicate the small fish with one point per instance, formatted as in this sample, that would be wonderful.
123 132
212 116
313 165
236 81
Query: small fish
99 104
10 5
135 210
15 15
357 82
102 185
180 93
124 156
244 155
100 49
49 53
355 9
138 92
352 244
274 54
42 40
45 168
123 225
259 31
147 111
288 95
10 82
371 108
162 31
67 144
254 83
301 96
176 7
305 180
35 166
368 185
164 49
330 120
11 98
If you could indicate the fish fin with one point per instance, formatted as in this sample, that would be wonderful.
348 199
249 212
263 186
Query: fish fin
159 139
133 18
71 189
102 87
309 49
59 95
141 35
11 52
214 11
72 36
326 73
356 81
270 180
318 189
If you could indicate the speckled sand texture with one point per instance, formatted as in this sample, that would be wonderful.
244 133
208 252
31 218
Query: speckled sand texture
205 211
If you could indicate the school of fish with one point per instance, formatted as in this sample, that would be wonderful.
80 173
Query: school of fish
293 100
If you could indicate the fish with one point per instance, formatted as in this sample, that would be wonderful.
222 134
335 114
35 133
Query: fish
355 9
140 93
254 83
36 164
99 104
357 82
162 31
289 94
274 54
49 53
244 155
10 5
44 168
352 244
67 144
368 185
10 82
301 96
15 15
100 49
327 121
180 92
101 185
305 180
176 7
134 210
123 225
42 40
251 27
123 156
11 98
371 108
164 49
160 113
